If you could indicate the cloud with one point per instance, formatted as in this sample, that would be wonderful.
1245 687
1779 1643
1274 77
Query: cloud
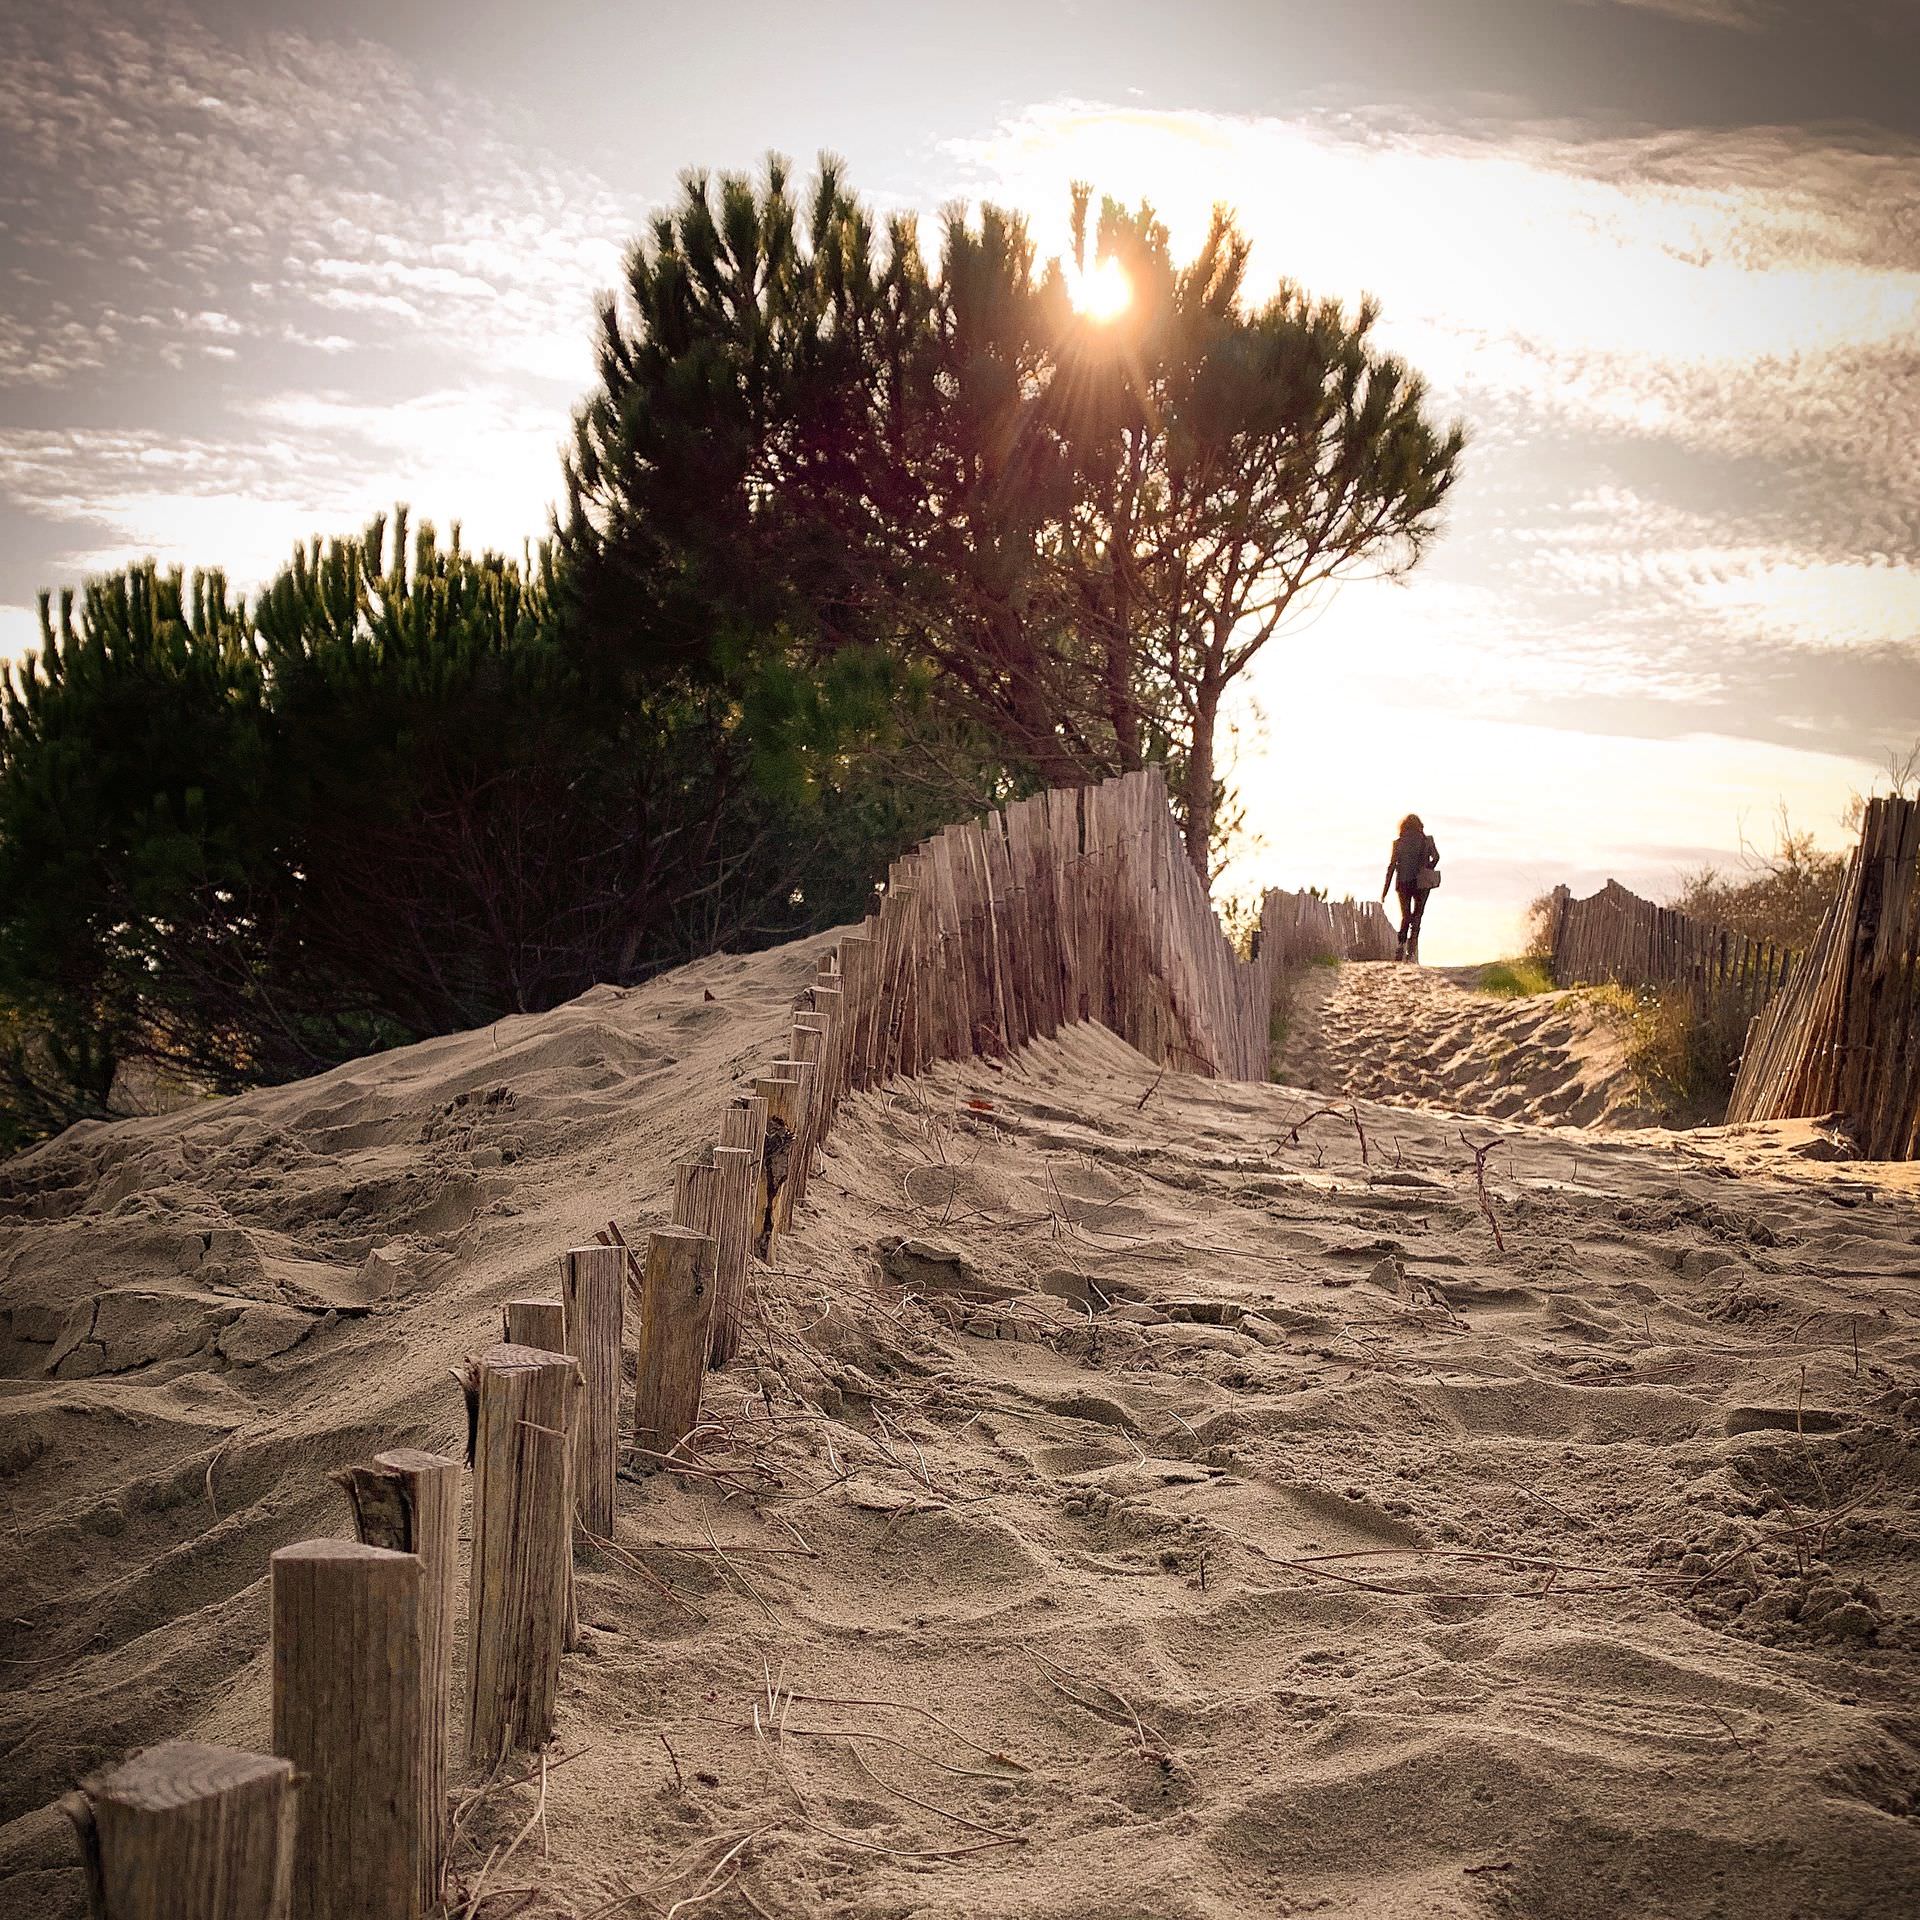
303 279
305 463
163 184
1879 18
19 632
1837 604
1616 542
1745 14
1688 361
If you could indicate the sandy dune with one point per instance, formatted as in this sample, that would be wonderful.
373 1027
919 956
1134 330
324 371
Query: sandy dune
1417 1036
1129 1507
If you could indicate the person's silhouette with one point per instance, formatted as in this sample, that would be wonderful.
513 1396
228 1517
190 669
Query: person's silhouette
1413 871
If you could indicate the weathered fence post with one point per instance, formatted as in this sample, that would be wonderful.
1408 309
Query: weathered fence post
535 1323
696 1184
518 1593
188 1832
830 1004
409 1502
349 1647
781 1092
676 1308
742 1126
796 1108
594 1285
738 1175
1842 1034
542 1325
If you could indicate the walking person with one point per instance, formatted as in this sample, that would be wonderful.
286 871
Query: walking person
1413 871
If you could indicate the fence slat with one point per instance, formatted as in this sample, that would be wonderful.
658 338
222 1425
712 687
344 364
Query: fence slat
675 1312
593 1284
349 1641
1843 1033
408 1501
519 1592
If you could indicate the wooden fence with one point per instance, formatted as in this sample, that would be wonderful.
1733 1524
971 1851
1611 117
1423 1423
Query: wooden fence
1077 904
1072 905
1844 1036
1298 928
1614 935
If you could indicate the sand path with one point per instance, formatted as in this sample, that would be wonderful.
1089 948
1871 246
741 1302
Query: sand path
1129 1508
1419 1036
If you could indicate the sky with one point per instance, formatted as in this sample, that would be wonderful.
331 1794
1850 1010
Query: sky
268 268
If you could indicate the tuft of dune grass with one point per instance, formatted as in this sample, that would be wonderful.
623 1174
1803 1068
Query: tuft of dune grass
1682 1049
1518 979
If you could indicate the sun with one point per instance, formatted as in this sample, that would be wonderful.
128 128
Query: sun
1102 291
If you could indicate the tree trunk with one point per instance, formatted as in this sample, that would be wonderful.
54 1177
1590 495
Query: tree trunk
1196 789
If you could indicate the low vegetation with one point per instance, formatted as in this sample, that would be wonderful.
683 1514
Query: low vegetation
1684 1046
1780 895
1683 1051
395 796
1280 1027
1516 979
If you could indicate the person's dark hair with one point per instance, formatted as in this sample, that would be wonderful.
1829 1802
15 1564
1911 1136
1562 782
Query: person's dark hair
1410 826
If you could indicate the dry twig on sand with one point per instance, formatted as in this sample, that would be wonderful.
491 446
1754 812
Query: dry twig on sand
738 1578
1480 1153
908 1853
920 1712
498 1858
928 1806
636 1565
1733 1735
709 1887
474 1797
1598 1579
1054 1670
1349 1113
888 1740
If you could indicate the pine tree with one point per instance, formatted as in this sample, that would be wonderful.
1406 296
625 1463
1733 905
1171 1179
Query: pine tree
132 761
1080 531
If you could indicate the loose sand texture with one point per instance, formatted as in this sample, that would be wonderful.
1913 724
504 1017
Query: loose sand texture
1138 1498
1420 1036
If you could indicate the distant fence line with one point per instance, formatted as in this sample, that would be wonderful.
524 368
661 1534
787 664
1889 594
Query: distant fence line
1298 928
1844 1036
1075 904
1616 936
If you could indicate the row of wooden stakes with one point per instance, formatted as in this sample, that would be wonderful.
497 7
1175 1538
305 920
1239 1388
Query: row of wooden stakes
1615 935
1298 928
348 1818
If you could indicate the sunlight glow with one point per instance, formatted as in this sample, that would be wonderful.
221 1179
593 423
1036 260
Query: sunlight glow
1103 292
1487 260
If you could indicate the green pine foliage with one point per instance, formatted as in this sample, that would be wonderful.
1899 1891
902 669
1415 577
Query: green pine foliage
133 758
398 796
